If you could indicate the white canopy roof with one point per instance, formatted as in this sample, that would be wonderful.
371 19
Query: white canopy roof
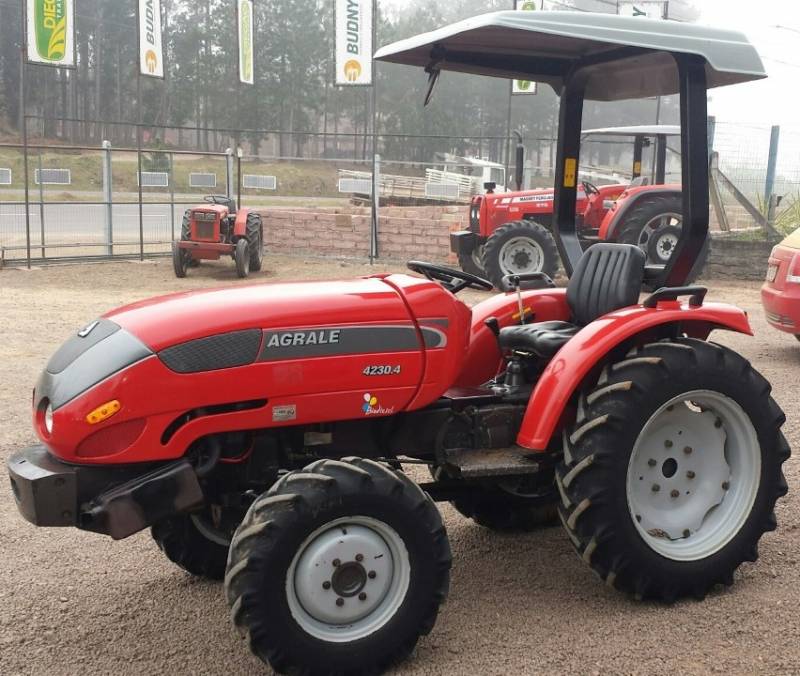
544 46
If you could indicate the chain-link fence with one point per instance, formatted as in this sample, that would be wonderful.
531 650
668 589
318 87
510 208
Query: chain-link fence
89 201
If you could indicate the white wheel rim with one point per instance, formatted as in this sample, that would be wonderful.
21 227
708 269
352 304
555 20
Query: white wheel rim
657 223
520 255
665 245
358 559
693 475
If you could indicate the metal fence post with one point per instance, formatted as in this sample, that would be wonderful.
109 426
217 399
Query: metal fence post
229 171
772 164
376 203
108 197
41 204
171 179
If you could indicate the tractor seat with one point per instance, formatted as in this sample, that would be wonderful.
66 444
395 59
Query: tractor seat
608 277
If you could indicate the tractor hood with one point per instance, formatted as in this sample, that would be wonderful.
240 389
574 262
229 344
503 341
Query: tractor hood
166 321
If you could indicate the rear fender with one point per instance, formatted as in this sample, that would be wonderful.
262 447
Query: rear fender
484 360
590 348
628 200
240 226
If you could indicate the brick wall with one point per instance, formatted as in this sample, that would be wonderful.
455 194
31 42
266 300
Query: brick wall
404 232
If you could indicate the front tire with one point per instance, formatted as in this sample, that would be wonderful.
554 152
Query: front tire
255 239
241 256
473 262
340 567
672 469
180 260
519 247
190 543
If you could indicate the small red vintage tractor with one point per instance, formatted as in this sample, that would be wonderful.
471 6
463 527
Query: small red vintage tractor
263 435
511 233
217 229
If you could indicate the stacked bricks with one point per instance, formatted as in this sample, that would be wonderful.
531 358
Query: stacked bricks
404 233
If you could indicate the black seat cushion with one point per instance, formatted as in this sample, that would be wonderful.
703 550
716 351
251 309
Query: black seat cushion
543 339
608 277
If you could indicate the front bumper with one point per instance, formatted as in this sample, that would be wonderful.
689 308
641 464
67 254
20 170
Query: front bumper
463 242
115 501
782 308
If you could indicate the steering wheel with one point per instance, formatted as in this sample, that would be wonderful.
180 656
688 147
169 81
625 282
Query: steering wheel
216 199
449 276
590 188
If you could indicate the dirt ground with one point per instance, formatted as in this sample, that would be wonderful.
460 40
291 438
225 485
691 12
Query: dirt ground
78 603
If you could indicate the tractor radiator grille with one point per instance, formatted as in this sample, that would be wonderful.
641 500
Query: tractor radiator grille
204 230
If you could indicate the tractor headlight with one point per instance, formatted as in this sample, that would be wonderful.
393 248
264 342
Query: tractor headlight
48 418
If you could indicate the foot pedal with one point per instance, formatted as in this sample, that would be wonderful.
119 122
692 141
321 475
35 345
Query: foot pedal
490 462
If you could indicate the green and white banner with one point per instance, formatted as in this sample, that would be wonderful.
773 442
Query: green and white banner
354 42
51 32
245 20
525 86
151 53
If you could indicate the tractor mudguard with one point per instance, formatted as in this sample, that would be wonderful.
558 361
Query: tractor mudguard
629 199
590 346
240 226
483 360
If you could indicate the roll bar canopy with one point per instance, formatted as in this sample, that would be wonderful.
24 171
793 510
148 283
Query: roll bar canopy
602 57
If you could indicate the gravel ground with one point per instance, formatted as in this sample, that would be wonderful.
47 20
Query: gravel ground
73 602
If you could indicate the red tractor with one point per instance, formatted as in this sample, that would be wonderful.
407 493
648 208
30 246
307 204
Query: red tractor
511 233
263 435
218 229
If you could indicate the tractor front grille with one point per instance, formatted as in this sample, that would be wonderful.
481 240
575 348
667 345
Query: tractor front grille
204 231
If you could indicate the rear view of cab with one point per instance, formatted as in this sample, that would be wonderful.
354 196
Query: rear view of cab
780 294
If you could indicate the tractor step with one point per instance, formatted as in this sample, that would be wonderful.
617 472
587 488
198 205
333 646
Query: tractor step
490 462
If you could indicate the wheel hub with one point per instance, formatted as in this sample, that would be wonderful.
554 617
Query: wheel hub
520 255
693 475
348 579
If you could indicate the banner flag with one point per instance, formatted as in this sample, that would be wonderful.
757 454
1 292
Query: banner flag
245 20
151 54
50 31
354 42
525 86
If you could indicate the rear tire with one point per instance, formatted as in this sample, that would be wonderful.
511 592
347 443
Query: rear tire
241 256
189 548
661 523
519 247
255 239
296 583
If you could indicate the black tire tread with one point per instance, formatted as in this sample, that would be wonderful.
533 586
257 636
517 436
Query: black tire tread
494 245
584 491
304 491
255 240
186 547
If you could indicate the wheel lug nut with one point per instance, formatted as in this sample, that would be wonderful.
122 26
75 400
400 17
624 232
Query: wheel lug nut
686 533
656 488
359 557
340 602
725 485
362 596
688 450
674 493
371 575
668 443
651 462
690 474
336 563
326 585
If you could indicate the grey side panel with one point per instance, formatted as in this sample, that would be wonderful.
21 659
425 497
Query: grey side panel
433 337
100 361
223 351
73 348
323 342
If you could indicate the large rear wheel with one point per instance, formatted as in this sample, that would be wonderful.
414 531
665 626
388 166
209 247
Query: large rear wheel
338 568
672 469
519 247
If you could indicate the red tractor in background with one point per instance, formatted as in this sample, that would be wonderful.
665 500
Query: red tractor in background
218 229
510 233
